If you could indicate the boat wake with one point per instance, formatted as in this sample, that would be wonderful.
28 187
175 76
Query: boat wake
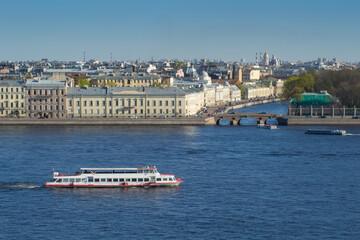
352 134
18 186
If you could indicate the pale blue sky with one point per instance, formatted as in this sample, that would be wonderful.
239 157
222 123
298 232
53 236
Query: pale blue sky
230 30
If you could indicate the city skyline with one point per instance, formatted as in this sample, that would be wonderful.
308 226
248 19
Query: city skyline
229 30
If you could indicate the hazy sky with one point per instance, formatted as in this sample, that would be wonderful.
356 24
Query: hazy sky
132 29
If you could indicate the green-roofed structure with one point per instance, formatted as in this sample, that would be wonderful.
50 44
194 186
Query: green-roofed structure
314 99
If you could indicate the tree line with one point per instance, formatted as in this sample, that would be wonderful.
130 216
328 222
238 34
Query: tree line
343 84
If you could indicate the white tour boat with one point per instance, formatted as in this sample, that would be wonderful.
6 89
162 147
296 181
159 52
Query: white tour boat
114 177
270 126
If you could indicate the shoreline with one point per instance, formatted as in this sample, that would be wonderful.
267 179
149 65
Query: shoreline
322 121
209 121
96 121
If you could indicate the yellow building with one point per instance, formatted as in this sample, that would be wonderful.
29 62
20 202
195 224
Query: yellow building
12 98
126 80
125 102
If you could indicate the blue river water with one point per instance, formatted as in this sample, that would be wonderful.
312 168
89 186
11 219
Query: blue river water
240 182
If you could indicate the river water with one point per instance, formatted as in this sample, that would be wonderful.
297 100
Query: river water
239 183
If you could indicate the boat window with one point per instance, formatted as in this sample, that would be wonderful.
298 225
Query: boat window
146 179
65 180
71 180
96 179
90 179
121 179
109 180
84 179
102 179
164 179
53 180
133 180
78 179
158 179
115 180
128 179
59 180
140 179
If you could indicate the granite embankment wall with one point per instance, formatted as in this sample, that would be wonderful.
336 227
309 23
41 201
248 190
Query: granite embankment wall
170 121
105 121
323 121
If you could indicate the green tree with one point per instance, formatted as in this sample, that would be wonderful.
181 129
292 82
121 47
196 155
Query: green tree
178 65
156 84
242 88
343 84
109 84
295 86
81 81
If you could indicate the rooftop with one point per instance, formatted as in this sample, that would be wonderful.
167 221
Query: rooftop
100 91
129 76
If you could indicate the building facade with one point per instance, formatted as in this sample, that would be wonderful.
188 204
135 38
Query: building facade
250 74
258 91
45 99
12 98
126 80
125 102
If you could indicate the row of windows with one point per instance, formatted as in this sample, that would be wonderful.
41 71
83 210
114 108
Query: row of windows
16 96
46 92
45 100
113 180
52 115
12 104
126 81
91 111
11 90
128 102
10 112
46 107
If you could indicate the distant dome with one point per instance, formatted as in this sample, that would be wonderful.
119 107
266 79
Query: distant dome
204 74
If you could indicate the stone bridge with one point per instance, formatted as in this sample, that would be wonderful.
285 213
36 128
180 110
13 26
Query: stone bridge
260 118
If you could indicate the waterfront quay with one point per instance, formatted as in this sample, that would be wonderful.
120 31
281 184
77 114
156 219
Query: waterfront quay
109 121
336 120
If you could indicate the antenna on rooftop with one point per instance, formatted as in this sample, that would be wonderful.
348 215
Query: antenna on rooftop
111 57
84 57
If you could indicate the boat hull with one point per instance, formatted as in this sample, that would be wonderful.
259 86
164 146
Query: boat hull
113 178
326 132
51 185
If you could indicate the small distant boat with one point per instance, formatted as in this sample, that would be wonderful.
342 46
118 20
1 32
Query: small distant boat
325 132
114 177
270 126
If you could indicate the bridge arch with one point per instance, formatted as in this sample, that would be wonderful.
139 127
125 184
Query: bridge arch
271 121
223 122
248 121
259 118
